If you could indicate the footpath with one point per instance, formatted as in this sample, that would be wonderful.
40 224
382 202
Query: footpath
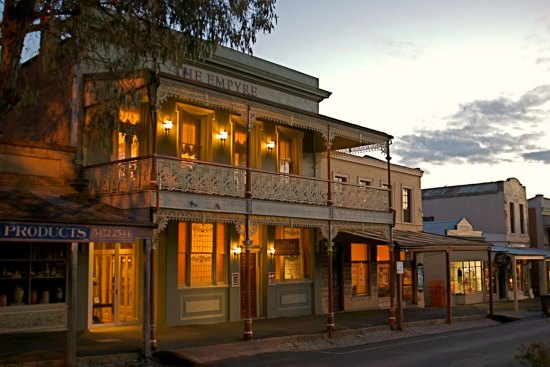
210 344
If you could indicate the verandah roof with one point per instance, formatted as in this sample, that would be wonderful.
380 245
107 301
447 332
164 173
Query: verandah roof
423 241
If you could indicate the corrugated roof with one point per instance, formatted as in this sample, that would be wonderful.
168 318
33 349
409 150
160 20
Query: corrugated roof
461 190
53 205
422 241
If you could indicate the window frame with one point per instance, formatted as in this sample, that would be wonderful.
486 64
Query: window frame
185 276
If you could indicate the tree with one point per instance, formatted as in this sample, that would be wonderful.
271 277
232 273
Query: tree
124 36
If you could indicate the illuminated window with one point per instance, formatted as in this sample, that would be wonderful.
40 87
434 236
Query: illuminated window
285 155
190 135
383 270
466 277
239 146
201 254
359 269
292 253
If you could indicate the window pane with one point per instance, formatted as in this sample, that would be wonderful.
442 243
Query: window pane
359 269
201 253
382 253
182 254
293 267
220 253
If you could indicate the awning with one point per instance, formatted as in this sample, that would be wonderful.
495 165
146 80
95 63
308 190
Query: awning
523 253
423 241
48 213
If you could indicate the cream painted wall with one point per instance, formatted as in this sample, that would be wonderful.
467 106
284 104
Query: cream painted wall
356 168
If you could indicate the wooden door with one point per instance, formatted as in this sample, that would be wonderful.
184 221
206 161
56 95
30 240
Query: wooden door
253 288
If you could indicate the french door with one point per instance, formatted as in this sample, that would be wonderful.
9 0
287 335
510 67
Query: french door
115 283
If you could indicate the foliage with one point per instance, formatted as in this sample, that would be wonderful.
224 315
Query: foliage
121 37
537 354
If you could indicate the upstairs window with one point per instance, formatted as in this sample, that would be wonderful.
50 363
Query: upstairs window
190 137
407 205
285 155
521 219
512 218
364 182
239 146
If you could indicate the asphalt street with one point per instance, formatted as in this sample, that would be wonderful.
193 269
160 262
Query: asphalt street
495 345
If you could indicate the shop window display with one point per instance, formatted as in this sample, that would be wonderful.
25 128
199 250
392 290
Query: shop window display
32 273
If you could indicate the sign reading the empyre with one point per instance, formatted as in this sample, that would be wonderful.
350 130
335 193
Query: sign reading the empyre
63 233
290 247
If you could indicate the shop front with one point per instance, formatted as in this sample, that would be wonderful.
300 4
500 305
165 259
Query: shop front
203 275
39 276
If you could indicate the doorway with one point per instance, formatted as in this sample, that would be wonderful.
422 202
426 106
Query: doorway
253 289
115 283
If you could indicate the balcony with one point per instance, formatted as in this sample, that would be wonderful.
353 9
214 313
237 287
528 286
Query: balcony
197 177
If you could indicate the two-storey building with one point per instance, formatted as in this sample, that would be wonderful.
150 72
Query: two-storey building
225 160
425 260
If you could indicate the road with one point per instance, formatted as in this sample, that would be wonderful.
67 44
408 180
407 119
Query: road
494 346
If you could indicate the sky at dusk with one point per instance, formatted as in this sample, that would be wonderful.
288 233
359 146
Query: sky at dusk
463 86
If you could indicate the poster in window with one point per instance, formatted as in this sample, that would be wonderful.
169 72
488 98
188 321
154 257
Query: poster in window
420 275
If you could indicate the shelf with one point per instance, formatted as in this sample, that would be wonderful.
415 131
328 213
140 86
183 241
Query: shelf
14 278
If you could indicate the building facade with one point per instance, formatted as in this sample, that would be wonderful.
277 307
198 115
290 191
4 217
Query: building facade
226 162
500 210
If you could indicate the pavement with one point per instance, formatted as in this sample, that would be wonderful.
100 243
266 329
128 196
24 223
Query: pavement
211 344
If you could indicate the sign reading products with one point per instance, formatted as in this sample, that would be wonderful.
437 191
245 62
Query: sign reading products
63 233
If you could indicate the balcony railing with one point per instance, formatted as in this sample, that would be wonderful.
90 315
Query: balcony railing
172 174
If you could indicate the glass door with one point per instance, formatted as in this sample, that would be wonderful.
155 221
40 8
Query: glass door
115 283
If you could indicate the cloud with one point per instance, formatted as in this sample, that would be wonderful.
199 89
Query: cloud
540 156
483 131
397 48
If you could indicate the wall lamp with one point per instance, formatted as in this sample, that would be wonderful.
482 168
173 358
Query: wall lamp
168 125
236 250
271 251
270 145
223 135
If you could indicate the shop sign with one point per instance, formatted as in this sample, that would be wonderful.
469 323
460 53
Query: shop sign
111 234
287 247
43 232
399 267
501 259
63 233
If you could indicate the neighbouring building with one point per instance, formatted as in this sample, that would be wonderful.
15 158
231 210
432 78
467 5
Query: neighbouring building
499 210
539 232
366 258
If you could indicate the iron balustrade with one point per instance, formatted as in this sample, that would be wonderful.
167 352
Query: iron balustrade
191 176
